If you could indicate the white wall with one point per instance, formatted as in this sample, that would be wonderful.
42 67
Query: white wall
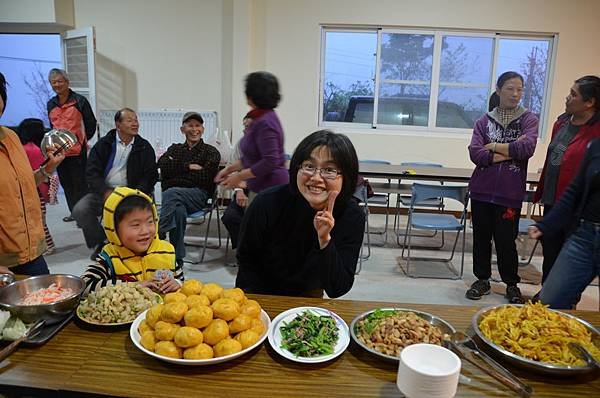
156 54
291 47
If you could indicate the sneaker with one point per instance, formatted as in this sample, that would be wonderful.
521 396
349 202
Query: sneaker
478 289
513 295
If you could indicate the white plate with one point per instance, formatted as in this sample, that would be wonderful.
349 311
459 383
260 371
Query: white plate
135 337
289 315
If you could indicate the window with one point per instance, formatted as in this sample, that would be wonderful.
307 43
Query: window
25 60
428 80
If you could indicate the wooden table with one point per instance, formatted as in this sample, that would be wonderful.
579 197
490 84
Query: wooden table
398 172
80 362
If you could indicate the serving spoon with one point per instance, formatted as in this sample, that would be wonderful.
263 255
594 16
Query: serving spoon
33 330
464 345
584 354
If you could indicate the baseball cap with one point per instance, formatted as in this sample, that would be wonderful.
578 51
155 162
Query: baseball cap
192 115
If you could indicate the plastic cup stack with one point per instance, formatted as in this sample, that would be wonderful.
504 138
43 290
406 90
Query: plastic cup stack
428 371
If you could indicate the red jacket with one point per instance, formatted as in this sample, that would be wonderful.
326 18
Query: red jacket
573 155
75 115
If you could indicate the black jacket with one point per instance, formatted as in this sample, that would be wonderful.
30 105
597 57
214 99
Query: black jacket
279 249
566 213
141 164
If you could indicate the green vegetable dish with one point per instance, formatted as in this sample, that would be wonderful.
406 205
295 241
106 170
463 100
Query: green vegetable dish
309 335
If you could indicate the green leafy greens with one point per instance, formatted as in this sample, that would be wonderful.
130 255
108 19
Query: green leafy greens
371 321
309 335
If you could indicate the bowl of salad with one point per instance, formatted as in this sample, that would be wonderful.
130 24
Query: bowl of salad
49 297
309 335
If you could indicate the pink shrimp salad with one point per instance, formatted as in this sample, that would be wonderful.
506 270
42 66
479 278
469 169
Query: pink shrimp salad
49 295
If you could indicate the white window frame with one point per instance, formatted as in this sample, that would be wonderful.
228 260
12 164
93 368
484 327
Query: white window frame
438 34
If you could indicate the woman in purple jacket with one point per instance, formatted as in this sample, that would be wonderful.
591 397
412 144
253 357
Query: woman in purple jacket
263 161
503 140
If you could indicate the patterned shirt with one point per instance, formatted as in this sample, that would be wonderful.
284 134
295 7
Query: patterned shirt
174 166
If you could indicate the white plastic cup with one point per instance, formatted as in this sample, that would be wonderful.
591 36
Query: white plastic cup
428 371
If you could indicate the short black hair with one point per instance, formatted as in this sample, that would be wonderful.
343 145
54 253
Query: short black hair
262 88
342 153
31 130
589 88
3 89
119 114
129 204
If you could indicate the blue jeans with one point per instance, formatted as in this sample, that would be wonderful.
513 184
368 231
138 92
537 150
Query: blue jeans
32 268
177 203
576 266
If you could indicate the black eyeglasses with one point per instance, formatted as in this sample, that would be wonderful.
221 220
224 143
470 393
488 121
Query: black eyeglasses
329 173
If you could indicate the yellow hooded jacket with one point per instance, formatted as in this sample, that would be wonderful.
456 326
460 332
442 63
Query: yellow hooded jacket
122 262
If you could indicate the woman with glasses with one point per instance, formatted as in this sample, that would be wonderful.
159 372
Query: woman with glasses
304 238
262 164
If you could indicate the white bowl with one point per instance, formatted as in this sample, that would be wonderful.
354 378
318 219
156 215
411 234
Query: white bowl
428 370
135 337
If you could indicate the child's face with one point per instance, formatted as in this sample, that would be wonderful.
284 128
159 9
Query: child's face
137 230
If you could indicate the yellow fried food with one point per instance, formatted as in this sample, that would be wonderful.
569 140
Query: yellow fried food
225 308
212 291
165 331
187 336
173 312
144 327
167 349
534 332
235 294
201 351
240 323
153 314
196 299
216 331
191 286
173 297
148 340
199 316
247 338
252 308
227 347
258 326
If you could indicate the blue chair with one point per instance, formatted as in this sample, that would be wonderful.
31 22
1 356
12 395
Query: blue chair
379 200
202 216
405 199
436 221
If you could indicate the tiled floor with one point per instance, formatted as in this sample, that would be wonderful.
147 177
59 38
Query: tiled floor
381 278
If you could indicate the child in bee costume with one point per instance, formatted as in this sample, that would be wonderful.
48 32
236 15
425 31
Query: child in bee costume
134 252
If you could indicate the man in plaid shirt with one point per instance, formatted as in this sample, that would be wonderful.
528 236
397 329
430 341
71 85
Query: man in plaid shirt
187 172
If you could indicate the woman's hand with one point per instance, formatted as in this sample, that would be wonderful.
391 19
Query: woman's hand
5 270
534 232
324 221
232 181
54 160
241 198
221 175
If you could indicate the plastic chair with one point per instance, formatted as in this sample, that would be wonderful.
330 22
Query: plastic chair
381 200
205 216
361 195
436 221
405 199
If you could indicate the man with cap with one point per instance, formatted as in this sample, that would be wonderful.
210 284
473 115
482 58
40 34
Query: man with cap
187 172
121 158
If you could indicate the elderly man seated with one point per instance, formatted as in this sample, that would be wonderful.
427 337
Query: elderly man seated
122 158
187 172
